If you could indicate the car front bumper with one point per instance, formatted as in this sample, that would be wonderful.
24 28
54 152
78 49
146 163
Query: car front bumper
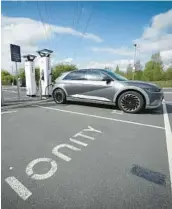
155 100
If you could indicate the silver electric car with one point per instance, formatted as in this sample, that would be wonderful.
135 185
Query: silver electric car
105 86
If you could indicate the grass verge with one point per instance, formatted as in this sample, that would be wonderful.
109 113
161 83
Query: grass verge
163 83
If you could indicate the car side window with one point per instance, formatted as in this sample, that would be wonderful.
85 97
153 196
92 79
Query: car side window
76 75
93 75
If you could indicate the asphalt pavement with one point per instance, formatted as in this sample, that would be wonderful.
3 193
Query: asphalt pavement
10 94
77 156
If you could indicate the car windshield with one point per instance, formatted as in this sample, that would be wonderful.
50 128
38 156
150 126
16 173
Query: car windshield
116 76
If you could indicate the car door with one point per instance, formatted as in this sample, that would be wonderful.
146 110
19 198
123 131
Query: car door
96 86
74 83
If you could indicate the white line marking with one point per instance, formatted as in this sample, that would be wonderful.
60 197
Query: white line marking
51 172
62 156
101 117
92 129
18 187
8 112
117 112
78 142
83 135
168 134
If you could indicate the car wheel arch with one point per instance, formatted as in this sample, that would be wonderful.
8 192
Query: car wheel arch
60 88
138 90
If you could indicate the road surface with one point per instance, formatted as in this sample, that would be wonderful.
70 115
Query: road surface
86 157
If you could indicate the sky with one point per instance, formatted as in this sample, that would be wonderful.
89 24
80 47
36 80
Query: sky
89 34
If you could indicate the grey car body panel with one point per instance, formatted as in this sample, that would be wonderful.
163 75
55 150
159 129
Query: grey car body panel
103 92
87 88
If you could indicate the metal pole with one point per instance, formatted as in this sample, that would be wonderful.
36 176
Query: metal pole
12 75
40 87
135 45
2 96
17 82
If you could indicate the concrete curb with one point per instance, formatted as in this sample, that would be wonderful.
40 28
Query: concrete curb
25 104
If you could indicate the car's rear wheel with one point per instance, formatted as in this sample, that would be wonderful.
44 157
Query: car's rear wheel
131 102
59 96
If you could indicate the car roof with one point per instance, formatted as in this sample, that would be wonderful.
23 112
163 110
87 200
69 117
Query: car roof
92 69
85 69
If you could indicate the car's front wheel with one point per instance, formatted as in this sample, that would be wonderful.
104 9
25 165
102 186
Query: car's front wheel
59 96
131 102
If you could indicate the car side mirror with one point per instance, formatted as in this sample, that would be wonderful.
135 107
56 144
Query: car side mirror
108 80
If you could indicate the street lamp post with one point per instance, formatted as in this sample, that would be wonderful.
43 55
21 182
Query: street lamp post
134 67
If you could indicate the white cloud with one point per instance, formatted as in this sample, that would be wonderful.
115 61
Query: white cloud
27 33
166 55
159 25
123 63
68 60
120 51
156 37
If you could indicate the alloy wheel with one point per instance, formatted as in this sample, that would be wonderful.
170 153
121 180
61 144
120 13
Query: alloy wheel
130 102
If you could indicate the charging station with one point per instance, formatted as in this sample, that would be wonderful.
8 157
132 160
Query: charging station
30 75
45 72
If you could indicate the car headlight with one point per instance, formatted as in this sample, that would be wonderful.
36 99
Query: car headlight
152 89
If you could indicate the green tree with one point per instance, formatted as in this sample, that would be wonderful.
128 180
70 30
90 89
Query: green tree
61 68
117 69
138 75
154 69
6 77
22 76
148 71
158 67
168 74
129 73
37 76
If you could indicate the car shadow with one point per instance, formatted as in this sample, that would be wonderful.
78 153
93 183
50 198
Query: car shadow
158 111
51 103
90 104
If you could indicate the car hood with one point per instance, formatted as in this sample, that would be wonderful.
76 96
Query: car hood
142 84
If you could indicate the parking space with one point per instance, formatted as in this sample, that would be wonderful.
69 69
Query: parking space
149 117
83 156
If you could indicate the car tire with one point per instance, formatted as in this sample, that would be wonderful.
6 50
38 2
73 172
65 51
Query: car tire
59 96
131 102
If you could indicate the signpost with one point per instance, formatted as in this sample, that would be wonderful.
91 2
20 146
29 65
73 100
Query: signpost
16 57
